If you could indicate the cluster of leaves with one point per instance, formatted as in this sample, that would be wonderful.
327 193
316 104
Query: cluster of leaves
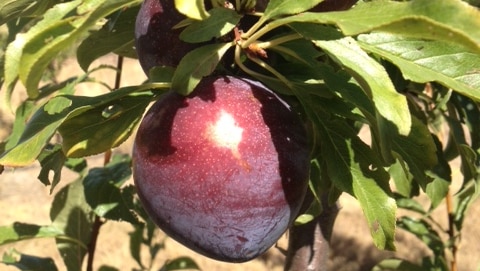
405 70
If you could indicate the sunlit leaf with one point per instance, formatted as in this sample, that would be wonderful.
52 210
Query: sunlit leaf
194 9
23 231
43 125
446 20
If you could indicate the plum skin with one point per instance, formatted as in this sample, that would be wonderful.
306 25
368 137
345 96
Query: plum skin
156 43
224 170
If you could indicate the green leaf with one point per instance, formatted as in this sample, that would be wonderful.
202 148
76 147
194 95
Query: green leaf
447 20
11 9
410 204
14 50
398 265
402 177
57 34
442 177
278 8
372 76
42 126
428 61
463 200
116 35
220 22
104 194
71 214
418 150
423 231
194 9
197 64
23 231
181 263
355 169
113 124
51 159
135 243
28 262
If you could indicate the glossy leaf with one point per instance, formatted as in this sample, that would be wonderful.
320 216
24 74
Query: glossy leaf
197 64
373 78
220 22
428 61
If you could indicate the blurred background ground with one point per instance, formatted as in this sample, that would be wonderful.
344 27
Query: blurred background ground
24 199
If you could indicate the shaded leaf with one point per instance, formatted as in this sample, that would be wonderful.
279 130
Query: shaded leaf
28 262
276 8
116 35
197 64
71 214
104 194
418 150
11 9
428 61
398 265
220 22
355 169
423 231
181 263
372 76
51 159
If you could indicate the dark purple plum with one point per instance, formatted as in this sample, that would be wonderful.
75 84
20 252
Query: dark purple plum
223 170
156 43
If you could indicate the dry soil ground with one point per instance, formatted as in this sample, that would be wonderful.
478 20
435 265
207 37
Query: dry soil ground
25 199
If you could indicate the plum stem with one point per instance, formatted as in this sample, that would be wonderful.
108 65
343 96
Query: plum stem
278 41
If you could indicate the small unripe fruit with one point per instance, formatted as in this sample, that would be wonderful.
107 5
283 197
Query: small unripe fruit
224 170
